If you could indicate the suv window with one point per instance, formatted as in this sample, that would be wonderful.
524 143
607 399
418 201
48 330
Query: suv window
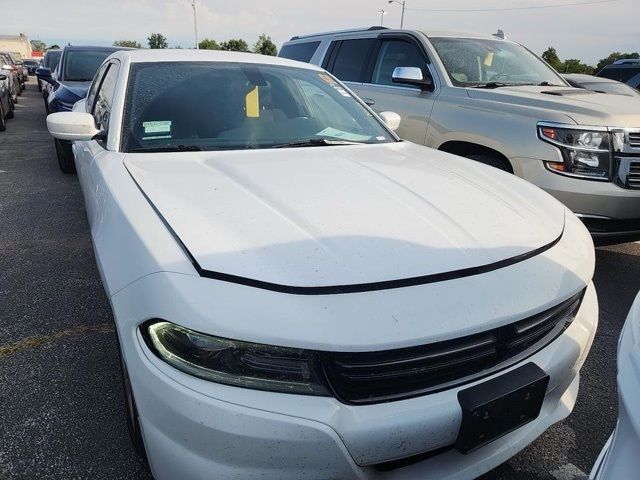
301 52
621 73
351 59
104 98
397 53
81 65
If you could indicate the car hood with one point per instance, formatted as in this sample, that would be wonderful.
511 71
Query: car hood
585 107
343 215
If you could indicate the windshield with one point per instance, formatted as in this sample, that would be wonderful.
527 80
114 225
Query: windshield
621 73
613 88
52 58
82 65
473 62
210 106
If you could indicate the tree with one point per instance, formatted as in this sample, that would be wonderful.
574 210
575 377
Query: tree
38 45
613 57
265 46
573 65
127 43
235 45
157 40
551 57
208 44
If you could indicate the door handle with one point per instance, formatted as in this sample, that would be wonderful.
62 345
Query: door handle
369 101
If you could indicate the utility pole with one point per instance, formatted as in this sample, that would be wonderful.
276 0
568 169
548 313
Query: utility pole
382 14
195 22
404 4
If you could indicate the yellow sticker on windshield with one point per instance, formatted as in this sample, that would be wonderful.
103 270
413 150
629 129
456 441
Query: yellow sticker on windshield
252 101
327 78
488 60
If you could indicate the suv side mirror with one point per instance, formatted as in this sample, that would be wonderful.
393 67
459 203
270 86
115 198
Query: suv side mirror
412 76
43 72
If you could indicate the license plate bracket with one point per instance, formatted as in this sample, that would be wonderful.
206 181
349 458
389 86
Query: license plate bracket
495 408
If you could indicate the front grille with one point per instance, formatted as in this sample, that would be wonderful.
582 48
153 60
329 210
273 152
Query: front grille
634 139
374 377
633 179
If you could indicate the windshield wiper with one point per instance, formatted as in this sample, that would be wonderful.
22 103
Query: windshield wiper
547 84
315 142
167 148
493 85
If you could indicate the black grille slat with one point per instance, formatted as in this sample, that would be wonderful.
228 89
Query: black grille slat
634 139
373 377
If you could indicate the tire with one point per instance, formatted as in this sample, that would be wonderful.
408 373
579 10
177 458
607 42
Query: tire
64 153
492 161
11 112
131 411
39 85
3 121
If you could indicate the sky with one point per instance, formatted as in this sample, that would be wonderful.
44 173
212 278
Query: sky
586 32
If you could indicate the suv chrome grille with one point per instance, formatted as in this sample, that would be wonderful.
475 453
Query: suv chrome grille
633 179
634 139
373 377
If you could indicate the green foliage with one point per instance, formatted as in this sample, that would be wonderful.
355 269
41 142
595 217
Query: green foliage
573 65
127 43
551 57
613 57
157 40
208 44
265 46
235 45
38 45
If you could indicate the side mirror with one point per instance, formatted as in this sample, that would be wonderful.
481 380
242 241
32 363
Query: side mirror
72 126
43 72
412 76
3 77
391 120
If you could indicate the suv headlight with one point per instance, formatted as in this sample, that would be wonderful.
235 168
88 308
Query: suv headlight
241 364
586 153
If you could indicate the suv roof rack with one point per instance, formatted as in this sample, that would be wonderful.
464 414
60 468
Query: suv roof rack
351 30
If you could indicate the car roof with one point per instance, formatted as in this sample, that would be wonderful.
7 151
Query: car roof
428 33
582 78
78 48
187 55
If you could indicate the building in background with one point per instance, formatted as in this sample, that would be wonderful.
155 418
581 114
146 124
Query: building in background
16 43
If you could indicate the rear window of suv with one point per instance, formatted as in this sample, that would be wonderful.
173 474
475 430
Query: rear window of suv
301 52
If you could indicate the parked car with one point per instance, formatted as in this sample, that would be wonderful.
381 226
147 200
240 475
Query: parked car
50 61
31 65
299 294
13 77
628 73
69 83
599 84
6 102
16 64
619 459
492 100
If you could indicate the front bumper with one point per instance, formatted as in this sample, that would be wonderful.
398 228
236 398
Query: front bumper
195 429
607 209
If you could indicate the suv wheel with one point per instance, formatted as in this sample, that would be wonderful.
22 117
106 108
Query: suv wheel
492 161
65 156
11 112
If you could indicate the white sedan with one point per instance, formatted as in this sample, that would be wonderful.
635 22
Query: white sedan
298 294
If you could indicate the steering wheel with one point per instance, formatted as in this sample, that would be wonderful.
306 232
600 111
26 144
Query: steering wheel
498 75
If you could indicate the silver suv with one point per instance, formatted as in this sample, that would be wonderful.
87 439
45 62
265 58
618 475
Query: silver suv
492 100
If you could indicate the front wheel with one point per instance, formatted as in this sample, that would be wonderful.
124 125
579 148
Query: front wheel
3 121
64 153
492 161
11 112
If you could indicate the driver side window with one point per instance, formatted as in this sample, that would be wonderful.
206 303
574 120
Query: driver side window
397 53
104 98
94 88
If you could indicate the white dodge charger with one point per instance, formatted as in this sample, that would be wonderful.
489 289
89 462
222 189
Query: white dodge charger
298 294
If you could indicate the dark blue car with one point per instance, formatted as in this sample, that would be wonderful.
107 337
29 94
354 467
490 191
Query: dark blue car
70 82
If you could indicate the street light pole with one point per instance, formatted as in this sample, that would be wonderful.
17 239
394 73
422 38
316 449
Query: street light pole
404 4
195 22
382 14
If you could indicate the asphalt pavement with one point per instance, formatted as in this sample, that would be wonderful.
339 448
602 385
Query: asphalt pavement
61 398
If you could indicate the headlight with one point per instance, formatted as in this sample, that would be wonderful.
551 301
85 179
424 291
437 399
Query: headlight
241 364
586 153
